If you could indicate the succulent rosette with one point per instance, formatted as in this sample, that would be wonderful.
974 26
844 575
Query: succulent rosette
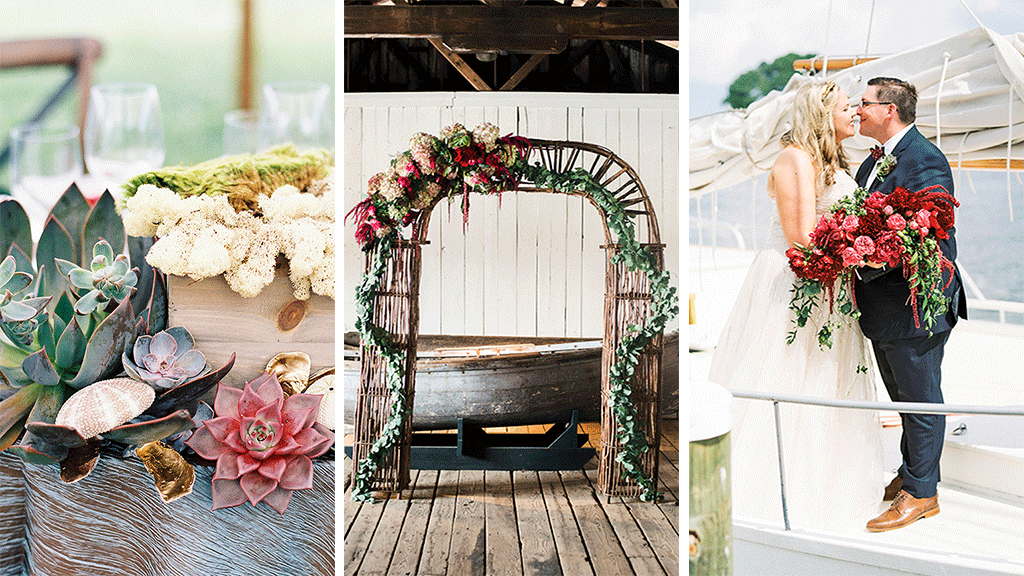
109 278
263 444
165 359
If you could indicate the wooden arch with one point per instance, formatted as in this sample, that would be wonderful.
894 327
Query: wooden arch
627 301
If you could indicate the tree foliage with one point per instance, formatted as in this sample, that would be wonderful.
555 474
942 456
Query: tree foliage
758 82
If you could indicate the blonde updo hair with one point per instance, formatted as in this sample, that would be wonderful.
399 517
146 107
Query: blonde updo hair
814 131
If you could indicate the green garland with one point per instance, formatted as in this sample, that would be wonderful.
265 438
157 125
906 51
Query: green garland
664 307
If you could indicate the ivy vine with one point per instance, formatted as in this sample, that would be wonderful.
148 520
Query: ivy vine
663 308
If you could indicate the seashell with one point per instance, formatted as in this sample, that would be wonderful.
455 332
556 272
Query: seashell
323 383
292 370
173 475
105 405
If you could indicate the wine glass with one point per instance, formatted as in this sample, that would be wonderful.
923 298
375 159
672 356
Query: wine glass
296 113
240 132
124 134
45 160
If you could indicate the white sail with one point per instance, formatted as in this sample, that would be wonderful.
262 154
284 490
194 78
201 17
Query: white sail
971 103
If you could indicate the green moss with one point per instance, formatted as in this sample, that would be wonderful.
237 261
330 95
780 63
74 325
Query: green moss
242 178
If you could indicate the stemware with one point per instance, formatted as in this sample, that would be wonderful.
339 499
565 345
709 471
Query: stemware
240 132
296 113
45 160
124 134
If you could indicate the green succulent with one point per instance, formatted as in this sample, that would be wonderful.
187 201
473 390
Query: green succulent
109 279
58 334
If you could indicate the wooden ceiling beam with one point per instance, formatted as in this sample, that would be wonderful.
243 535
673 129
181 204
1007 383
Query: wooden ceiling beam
525 69
467 72
513 29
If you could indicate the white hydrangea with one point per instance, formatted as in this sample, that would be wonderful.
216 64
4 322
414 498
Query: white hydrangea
203 236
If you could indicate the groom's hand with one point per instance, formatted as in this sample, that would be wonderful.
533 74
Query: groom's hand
874 265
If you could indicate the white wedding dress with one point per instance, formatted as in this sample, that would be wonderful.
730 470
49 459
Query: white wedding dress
833 457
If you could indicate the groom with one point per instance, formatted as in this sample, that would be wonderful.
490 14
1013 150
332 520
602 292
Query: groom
909 358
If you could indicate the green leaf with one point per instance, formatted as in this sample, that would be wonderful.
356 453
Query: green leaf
103 352
70 346
152 430
14 227
51 398
71 210
15 408
38 367
23 259
103 222
54 243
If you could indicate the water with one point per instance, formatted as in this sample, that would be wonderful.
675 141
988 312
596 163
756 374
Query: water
990 244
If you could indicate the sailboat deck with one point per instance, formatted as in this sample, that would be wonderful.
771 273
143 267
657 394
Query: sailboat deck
523 522
973 534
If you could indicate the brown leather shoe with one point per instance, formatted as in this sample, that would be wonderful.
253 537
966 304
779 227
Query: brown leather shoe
905 509
893 488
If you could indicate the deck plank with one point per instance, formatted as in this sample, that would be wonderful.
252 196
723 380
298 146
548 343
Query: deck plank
434 560
501 535
363 527
572 553
638 550
525 522
603 546
413 535
468 552
382 547
540 558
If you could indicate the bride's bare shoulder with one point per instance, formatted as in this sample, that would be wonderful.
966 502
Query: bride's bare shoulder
793 158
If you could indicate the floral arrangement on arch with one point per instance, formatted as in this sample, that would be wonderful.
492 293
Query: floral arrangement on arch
899 229
460 161
457 161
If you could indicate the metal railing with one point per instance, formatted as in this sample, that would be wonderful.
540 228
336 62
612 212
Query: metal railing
904 407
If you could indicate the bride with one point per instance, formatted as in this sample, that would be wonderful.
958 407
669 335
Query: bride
832 456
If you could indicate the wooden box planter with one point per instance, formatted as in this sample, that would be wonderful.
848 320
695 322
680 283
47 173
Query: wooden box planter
254 329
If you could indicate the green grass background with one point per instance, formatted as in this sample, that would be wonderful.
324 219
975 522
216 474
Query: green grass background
188 48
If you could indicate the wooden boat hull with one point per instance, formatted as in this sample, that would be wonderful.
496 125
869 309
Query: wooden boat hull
509 381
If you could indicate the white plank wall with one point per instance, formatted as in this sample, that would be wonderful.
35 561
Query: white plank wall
526 264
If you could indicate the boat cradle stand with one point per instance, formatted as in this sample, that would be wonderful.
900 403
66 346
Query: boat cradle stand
472 448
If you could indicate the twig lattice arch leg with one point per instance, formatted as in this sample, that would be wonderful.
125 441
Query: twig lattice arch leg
627 303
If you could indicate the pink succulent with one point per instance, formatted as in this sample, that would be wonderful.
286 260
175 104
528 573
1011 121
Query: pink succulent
262 443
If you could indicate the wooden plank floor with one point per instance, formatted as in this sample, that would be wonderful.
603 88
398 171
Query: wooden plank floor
516 523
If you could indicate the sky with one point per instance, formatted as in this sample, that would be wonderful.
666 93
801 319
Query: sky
729 37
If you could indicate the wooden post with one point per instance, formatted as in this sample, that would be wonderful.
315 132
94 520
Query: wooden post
710 481
245 72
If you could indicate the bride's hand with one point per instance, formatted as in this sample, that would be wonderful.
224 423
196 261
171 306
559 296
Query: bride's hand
874 265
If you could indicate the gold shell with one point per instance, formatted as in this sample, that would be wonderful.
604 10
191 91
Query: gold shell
173 475
292 370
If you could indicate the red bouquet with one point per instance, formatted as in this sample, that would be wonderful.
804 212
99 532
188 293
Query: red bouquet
902 228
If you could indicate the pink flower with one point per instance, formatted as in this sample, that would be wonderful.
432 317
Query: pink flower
896 222
262 443
864 245
923 218
850 223
876 201
850 256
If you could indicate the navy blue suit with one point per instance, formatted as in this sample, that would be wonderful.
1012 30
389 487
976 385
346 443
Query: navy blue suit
910 357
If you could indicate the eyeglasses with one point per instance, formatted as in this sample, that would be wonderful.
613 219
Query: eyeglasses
866 103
